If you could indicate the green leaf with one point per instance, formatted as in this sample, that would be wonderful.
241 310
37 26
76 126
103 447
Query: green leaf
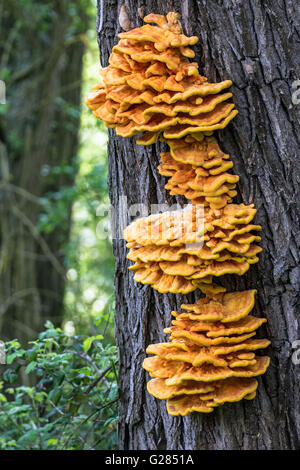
28 438
89 341
10 376
11 357
55 395
31 366
49 324
52 442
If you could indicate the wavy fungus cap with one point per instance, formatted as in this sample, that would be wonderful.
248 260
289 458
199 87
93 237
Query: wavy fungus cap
198 171
211 357
173 253
228 307
151 87
231 390
176 228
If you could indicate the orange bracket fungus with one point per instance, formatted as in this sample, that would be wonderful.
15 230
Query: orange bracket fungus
211 357
152 89
168 257
198 171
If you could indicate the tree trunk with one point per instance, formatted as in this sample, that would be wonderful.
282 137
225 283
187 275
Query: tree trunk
41 51
253 43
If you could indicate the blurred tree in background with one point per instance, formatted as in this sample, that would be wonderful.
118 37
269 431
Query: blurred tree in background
58 389
50 268
41 64
89 289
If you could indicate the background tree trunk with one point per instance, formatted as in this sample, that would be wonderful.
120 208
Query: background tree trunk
41 51
255 44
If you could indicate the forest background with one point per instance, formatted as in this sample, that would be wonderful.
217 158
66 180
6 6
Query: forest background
58 388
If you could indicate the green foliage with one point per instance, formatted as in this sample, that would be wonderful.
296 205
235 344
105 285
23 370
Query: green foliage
51 396
42 13
73 402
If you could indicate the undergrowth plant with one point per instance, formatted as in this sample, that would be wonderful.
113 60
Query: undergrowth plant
72 403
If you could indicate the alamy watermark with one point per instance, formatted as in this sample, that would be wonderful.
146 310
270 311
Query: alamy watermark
177 220
296 354
2 353
296 93
2 92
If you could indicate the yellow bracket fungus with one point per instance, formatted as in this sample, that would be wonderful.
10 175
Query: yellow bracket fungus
210 359
151 89
150 86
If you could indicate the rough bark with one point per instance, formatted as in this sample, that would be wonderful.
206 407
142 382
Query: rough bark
255 44
44 59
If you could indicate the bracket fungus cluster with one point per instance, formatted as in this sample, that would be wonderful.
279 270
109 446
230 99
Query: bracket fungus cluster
173 255
211 357
151 88
198 171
